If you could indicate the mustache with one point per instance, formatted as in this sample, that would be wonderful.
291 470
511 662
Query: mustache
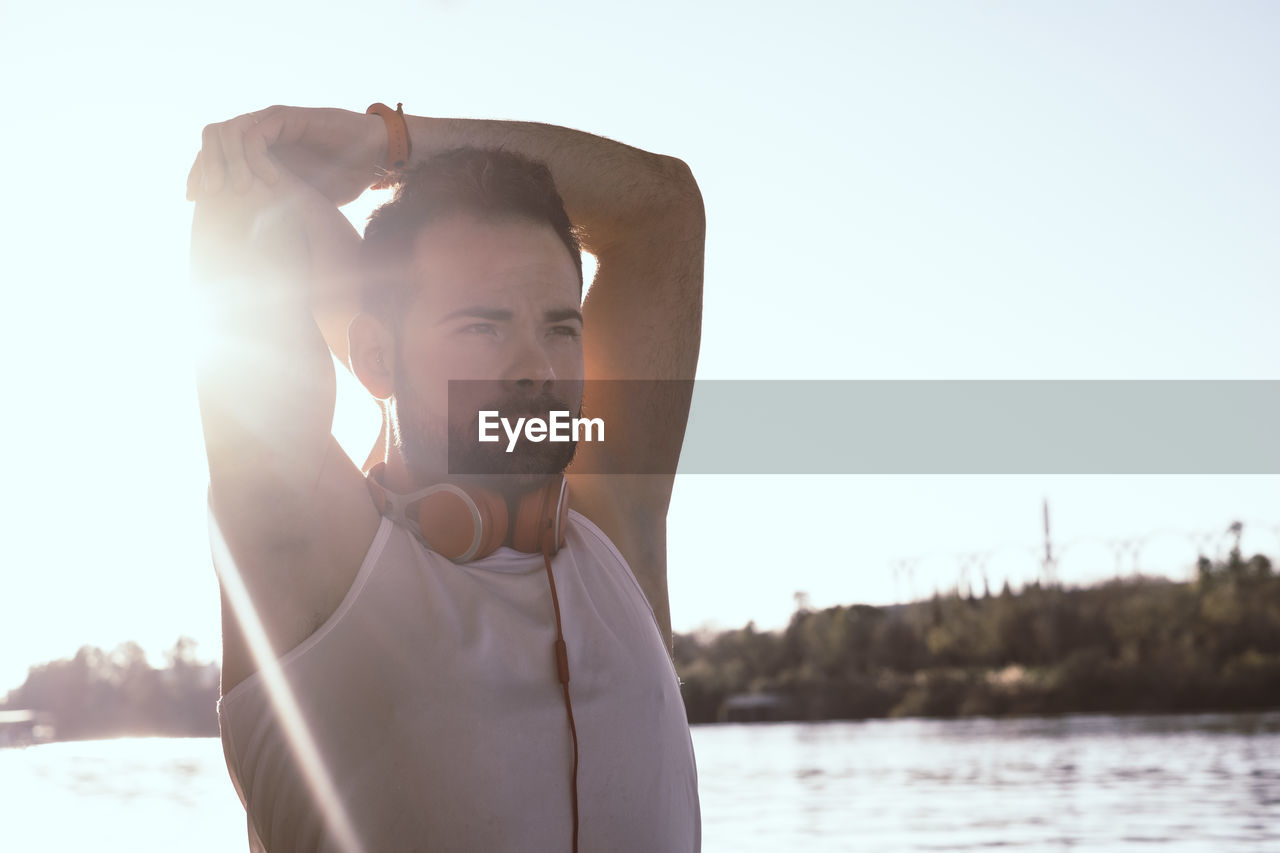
540 406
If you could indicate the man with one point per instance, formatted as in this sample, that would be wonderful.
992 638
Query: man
376 695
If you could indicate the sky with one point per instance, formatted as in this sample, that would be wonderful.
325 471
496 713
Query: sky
935 190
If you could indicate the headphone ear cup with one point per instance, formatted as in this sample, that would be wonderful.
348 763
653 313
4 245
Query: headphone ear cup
493 511
462 524
541 516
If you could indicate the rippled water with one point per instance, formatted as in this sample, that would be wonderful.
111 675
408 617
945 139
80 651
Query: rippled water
135 794
1202 783
1183 783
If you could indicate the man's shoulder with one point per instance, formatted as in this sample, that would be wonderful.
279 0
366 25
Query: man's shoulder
600 546
592 530
622 513
630 513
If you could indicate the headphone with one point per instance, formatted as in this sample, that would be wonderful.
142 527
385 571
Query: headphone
464 523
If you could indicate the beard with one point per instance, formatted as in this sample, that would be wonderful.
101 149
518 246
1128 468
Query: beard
452 450
470 457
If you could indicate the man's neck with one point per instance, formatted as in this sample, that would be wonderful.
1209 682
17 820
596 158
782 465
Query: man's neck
397 477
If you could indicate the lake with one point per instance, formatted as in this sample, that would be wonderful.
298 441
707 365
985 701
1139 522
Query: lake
1207 782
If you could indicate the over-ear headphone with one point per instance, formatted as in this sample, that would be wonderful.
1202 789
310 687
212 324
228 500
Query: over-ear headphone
464 523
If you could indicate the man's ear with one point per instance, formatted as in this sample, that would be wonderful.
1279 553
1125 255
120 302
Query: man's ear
371 347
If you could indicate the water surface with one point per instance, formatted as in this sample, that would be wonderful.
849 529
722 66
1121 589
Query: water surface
1173 783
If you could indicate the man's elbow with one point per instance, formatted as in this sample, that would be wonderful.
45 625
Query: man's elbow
684 202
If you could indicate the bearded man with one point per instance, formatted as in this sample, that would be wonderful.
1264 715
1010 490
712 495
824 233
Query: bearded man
460 647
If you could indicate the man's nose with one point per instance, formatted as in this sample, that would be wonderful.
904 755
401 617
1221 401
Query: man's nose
530 366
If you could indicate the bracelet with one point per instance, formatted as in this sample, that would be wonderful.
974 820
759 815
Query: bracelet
397 141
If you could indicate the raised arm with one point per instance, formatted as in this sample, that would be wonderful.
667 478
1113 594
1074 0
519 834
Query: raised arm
642 218
641 215
290 506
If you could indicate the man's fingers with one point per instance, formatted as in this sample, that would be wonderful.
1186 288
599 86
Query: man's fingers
255 151
234 152
193 179
232 135
211 159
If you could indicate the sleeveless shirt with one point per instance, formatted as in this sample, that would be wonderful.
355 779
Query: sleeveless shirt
432 699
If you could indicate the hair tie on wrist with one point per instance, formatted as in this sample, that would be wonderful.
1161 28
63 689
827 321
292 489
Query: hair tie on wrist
397 142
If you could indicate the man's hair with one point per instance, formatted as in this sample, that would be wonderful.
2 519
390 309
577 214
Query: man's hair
493 185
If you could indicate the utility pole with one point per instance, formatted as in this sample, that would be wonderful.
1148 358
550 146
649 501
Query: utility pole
1049 566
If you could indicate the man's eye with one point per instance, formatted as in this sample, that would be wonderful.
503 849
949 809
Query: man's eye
480 329
566 331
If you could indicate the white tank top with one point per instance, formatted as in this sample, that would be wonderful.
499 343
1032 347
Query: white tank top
432 695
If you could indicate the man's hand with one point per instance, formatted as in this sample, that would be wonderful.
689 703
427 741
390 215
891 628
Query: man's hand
337 152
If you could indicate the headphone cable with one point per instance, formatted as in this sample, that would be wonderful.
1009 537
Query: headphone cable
562 670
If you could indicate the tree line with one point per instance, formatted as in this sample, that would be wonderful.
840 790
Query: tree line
1129 645
98 694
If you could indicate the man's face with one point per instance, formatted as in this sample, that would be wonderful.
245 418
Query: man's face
498 302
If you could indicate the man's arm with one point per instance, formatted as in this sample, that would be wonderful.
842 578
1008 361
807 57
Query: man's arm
641 215
290 506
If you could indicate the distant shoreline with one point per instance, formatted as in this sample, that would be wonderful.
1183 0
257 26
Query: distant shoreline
1127 646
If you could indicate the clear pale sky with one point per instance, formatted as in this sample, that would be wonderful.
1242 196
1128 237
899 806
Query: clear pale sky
946 190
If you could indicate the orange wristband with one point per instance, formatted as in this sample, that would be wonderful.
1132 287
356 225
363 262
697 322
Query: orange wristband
397 141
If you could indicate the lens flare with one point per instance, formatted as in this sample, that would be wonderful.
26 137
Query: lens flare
282 699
